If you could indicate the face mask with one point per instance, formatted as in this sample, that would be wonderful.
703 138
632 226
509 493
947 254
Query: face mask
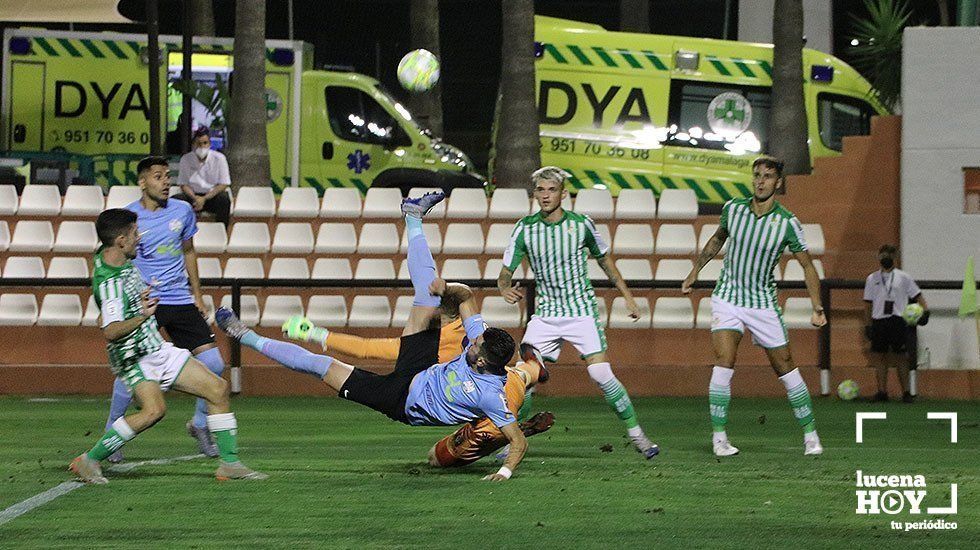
202 152
887 263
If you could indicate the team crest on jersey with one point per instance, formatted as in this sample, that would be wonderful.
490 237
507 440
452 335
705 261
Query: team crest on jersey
469 386
176 225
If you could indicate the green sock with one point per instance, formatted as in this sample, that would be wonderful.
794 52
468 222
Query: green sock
718 399
799 399
620 402
224 428
112 440
525 411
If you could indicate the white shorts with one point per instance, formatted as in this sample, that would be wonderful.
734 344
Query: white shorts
162 366
765 325
547 334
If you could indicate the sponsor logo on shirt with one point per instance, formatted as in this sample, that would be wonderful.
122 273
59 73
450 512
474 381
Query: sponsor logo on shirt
176 225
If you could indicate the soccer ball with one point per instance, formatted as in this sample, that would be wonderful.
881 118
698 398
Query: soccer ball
848 390
418 71
912 314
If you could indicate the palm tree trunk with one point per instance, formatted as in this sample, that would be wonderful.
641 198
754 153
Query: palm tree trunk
517 144
427 106
202 17
787 121
248 154
634 16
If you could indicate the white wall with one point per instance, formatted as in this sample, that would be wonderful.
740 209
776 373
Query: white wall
755 23
940 135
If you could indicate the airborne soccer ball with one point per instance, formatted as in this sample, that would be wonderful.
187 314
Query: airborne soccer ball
848 389
418 71
912 314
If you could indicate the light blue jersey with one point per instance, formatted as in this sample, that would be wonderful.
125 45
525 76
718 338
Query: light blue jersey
160 254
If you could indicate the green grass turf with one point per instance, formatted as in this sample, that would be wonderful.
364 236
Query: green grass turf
343 476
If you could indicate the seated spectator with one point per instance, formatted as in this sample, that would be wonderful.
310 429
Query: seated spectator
203 178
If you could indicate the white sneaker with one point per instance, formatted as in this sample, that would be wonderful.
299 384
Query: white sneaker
724 448
812 447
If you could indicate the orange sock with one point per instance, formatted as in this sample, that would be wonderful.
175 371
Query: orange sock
362 348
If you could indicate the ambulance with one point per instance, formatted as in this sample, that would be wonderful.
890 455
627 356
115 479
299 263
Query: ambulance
639 111
86 95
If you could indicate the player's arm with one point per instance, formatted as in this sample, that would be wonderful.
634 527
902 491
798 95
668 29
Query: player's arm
819 318
916 293
469 312
190 263
518 446
115 326
513 255
710 250
607 265
505 283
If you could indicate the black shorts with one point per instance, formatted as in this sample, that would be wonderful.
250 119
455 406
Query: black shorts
184 325
890 335
387 393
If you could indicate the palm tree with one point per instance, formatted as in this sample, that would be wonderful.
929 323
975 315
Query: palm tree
427 106
634 16
248 154
787 120
517 143
202 17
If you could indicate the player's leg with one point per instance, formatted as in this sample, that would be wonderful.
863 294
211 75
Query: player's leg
541 337
619 400
725 343
798 395
424 314
121 398
302 329
880 346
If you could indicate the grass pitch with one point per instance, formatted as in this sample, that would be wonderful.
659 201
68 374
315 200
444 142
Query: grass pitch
346 477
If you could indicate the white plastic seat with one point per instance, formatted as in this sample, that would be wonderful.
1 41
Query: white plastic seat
92 313
797 313
498 313
676 239
595 203
632 269
492 270
604 232
208 268
711 270
209 308
673 270
289 268
255 202
76 237
211 238
453 270
298 202
432 237
40 200
336 238
4 235
403 270
374 268
244 268
703 319
776 273
403 306
673 313
509 204
24 267
602 310
63 310
633 239
121 196
83 200
341 203
32 236
327 311
378 238
382 203
498 238
8 200
332 268
595 271
467 204
18 309
249 308
293 238
369 311
279 308
707 231
636 204
438 211
814 238
68 268
249 238
619 315
794 271
463 238
677 204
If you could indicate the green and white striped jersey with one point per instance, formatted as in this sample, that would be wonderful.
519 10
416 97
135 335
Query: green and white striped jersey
557 253
754 246
117 293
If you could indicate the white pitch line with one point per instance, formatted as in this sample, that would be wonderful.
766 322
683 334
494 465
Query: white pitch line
62 489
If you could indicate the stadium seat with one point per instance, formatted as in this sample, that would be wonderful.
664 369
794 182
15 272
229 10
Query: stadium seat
121 196
595 271
298 202
332 268
509 204
492 270
797 312
255 202
633 239
293 238
378 238
467 204
636 204
248 238
707 231
68 268
341 203
604 232
91 317
244 268
63 310
211 238
279 308
83 200
336 238
454 270
208 307
673 270
289 268
18 309
374 268
32 236
498 313
813 233
463 238
8 200
776 273
566 204
370 311
673 313
4 236
403 305
40 200
634 269
677 204
382 203
675 239
76 237
619 315
249 313
208 268
403 270
327 311
432 237
794 271
438 211
603 311
24 267
498 238
703 320
595 203
711 270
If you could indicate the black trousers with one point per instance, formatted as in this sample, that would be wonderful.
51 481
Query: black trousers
219 205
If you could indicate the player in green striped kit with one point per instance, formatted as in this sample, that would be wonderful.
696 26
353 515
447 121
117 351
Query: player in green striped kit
140 357
758 230
556 243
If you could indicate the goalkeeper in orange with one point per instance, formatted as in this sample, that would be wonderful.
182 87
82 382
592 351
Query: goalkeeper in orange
473 440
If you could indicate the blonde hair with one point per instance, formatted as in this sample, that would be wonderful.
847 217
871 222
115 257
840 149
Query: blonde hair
551 173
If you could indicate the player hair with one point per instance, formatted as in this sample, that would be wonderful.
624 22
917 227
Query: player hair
202 131
113 223
551 173
150 162
769 162
498 348
888 249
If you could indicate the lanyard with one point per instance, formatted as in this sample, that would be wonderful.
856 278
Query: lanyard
888 287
